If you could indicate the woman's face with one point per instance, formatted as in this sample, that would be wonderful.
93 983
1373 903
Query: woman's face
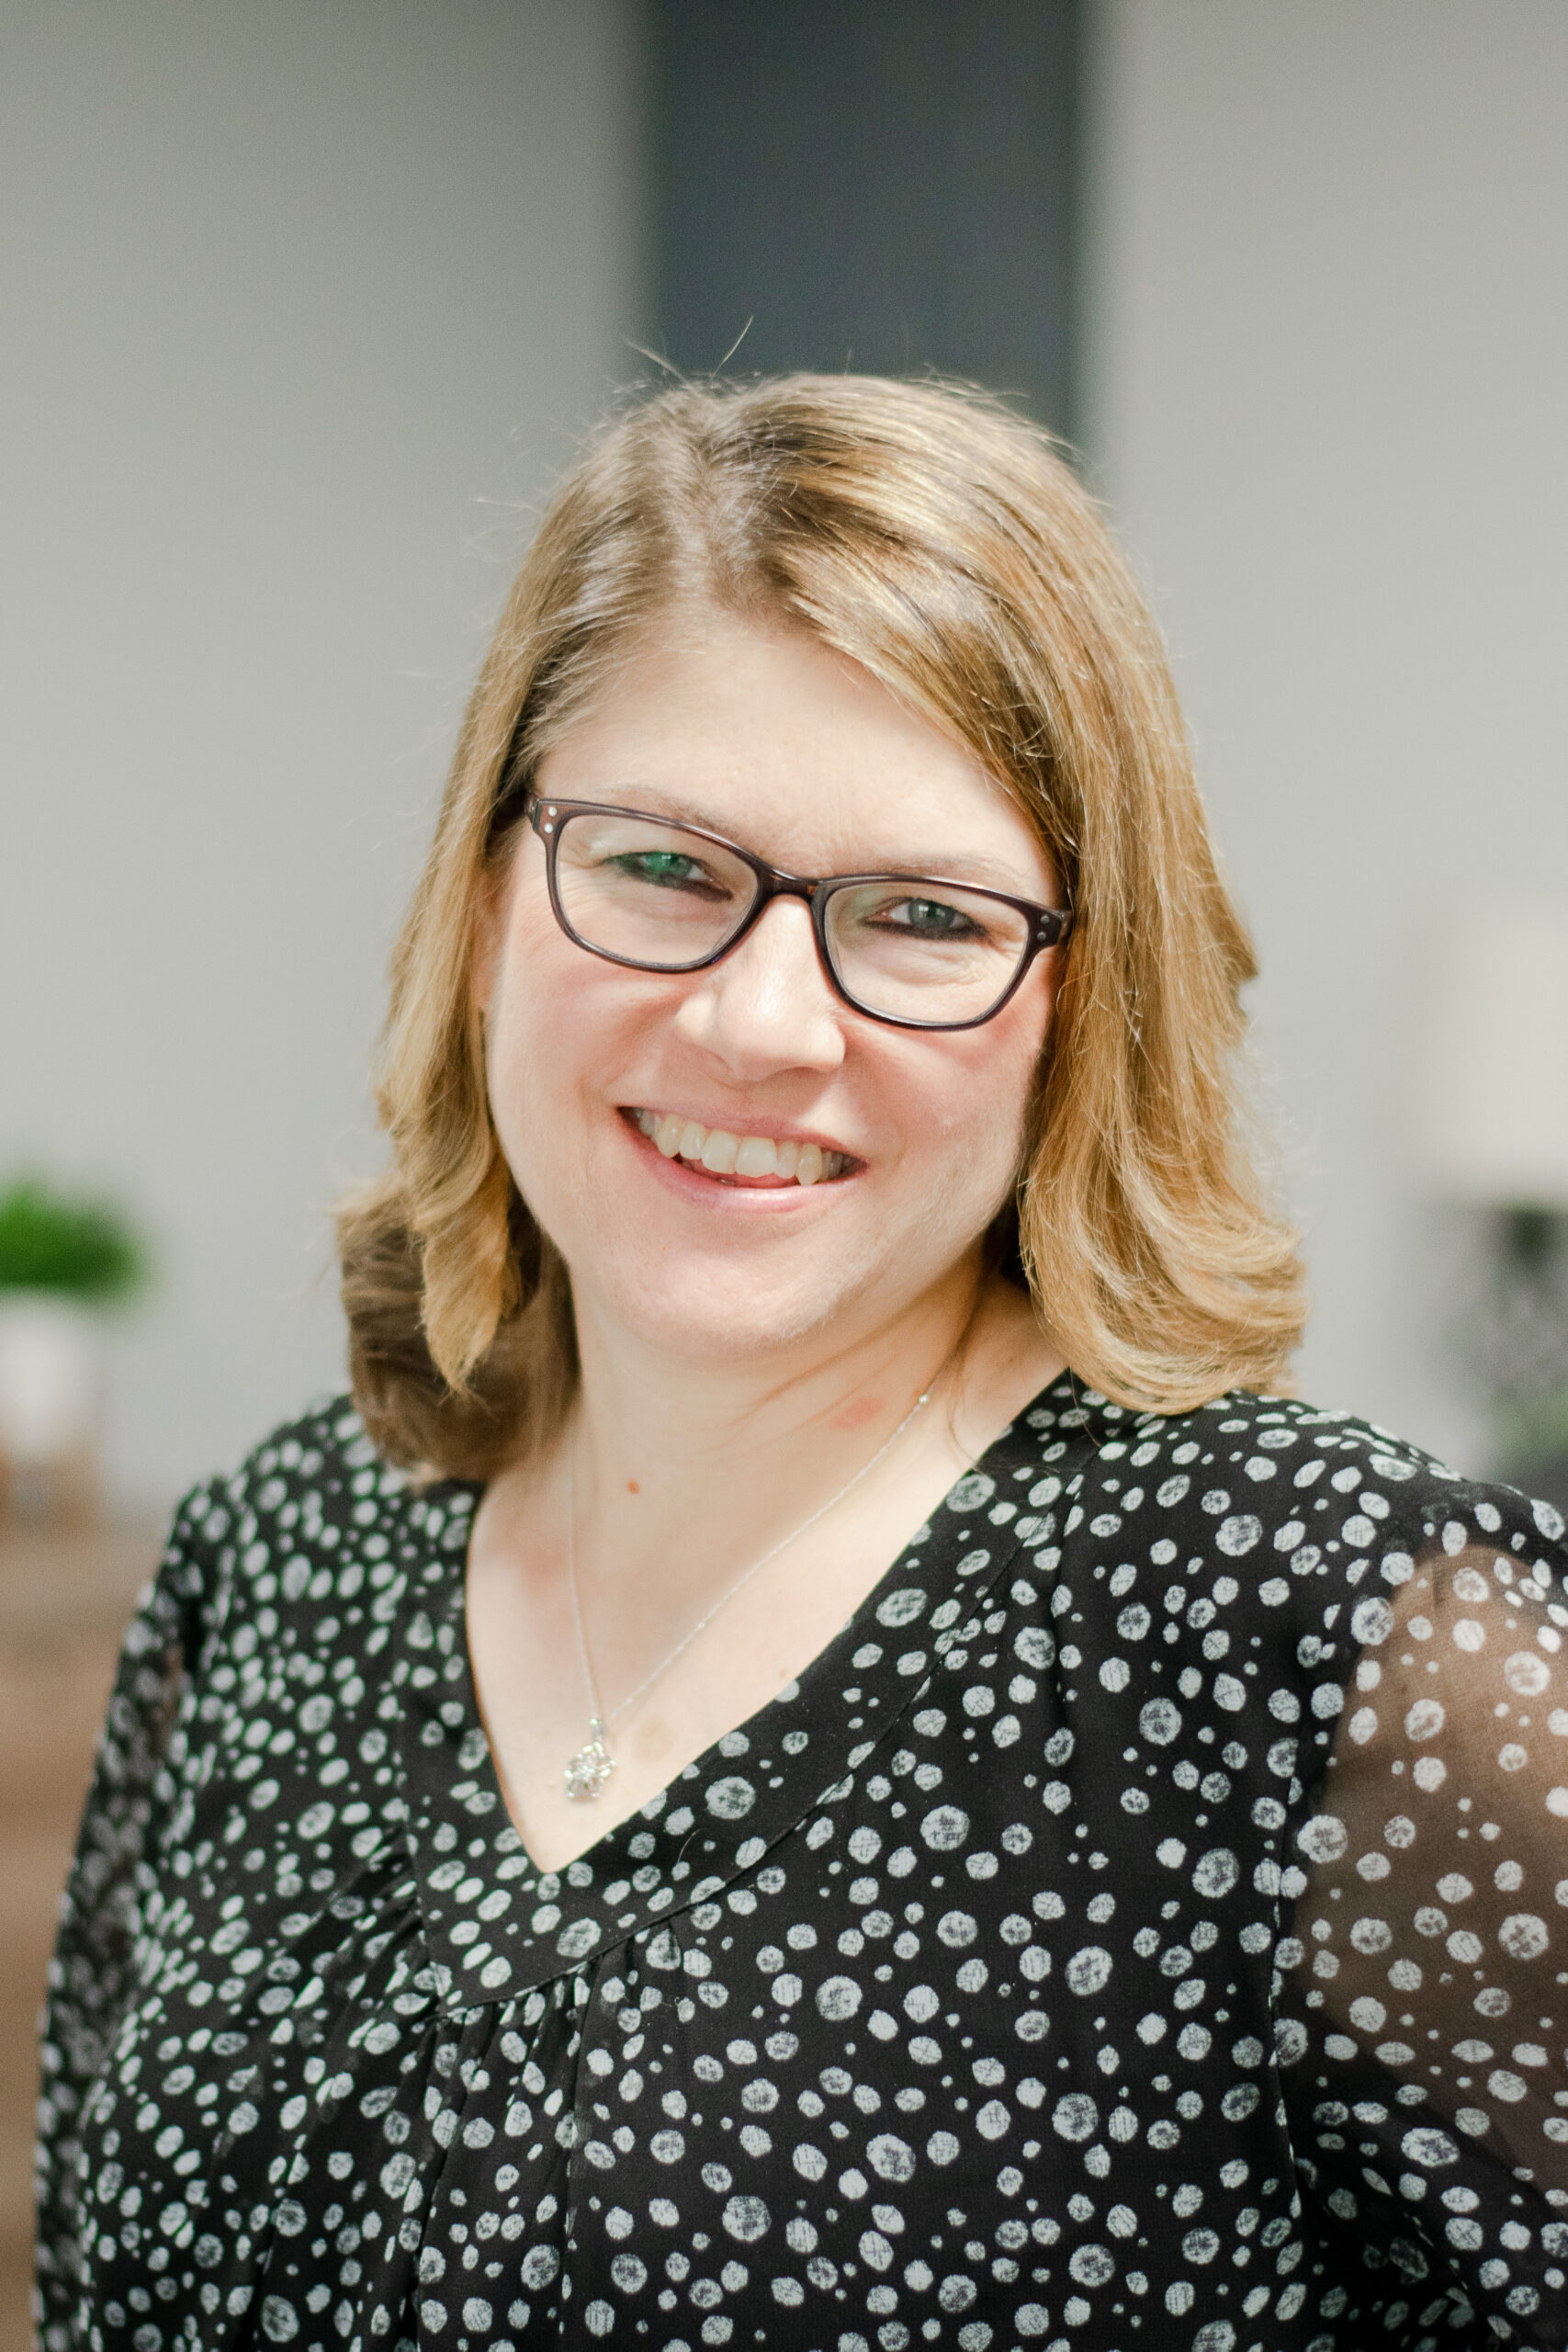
764 735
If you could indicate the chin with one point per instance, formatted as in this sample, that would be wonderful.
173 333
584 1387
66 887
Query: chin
716 1309
738 1290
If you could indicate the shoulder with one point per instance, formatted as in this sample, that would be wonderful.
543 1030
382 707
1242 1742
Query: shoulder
325 1444
1252 1435
1292 1516
1258 1464
320 1468
313 1516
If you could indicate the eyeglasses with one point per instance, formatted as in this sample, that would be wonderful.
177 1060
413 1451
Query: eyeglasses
905 948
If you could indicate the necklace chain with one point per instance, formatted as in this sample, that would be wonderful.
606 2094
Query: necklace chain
590 1768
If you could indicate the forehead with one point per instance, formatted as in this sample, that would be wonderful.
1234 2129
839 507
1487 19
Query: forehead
765 733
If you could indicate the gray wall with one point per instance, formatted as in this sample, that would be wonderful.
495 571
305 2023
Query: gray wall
301 305
1329 371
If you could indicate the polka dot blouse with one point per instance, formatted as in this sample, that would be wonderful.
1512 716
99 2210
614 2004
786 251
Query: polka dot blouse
1142 1924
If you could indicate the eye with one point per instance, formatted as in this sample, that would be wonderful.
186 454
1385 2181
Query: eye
929 919
668 869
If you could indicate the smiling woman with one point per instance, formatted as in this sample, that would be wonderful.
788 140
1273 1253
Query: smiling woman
781 1772
928 544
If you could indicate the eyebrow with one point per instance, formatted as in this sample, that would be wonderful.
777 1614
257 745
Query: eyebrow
984 873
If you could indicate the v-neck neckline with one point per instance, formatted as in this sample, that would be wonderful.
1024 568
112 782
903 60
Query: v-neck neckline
497 1925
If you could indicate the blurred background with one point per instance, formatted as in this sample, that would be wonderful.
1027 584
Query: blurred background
306 303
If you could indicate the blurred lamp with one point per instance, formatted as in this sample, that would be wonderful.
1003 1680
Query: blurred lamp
1489 1114
1491 1063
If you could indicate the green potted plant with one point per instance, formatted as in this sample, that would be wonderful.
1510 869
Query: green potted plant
61 1261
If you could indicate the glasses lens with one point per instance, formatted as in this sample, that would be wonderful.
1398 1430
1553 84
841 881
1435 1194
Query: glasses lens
647 891
925 951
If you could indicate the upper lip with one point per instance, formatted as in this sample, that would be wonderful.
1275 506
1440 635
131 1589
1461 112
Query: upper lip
729 1123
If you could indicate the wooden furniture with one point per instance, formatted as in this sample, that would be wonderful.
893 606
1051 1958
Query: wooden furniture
65 1599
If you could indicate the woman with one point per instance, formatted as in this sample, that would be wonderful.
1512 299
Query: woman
815 1759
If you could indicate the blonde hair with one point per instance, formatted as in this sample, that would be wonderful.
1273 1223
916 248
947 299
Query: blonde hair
937 539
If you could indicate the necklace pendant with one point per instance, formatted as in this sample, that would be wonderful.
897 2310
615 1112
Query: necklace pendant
590 1768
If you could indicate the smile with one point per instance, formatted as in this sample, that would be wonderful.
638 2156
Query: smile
745 1158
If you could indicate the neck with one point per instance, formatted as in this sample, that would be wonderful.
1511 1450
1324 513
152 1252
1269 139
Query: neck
685 1475
747 1510
662 1443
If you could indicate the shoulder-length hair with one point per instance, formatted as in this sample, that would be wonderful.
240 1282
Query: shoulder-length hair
937 539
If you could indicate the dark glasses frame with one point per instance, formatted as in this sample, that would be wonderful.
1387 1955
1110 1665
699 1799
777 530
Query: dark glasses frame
1049 926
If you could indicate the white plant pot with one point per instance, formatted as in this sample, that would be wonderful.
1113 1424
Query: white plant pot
50 1378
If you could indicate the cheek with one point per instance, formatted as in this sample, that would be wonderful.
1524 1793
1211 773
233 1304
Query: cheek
992 1077
543 983
532 1028
563 1027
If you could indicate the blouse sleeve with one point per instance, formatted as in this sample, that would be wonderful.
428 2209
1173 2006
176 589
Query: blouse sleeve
1427 1978
89 1980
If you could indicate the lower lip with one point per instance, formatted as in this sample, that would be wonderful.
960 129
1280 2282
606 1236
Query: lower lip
709 1191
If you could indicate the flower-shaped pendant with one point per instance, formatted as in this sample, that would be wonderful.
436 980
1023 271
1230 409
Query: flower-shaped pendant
590 1768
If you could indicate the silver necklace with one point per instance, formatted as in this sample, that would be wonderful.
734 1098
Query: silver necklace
589 1768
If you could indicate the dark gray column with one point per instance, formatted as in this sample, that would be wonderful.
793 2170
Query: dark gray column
886 185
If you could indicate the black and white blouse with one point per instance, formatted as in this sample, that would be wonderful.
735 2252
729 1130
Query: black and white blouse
1142 1924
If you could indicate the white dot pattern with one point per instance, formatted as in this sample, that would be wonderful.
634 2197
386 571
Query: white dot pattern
1145 1922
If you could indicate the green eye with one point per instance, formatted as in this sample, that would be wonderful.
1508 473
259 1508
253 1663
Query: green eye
933 918
656 866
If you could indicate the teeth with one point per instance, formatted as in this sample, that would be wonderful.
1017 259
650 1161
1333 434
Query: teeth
723 1154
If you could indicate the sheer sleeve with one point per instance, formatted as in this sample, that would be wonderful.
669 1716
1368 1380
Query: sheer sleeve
1425 1983
90 1975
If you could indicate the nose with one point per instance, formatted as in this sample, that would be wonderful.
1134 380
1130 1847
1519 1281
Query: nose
767 1005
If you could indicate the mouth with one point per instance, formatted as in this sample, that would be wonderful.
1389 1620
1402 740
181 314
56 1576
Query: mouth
768 1162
